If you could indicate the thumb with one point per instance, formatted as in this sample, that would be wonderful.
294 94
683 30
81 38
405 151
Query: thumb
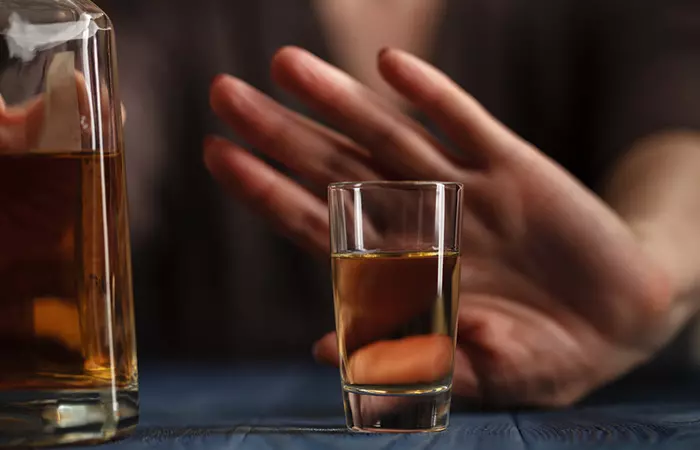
410 360
465 381
20 125
325 350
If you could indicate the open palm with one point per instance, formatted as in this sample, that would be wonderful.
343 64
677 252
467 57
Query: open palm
557 296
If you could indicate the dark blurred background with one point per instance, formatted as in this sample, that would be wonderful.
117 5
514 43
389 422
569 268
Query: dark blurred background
582 80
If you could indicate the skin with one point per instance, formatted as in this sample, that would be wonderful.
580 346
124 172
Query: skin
560 293
411 360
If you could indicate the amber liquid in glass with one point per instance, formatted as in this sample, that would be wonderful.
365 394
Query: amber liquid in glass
66 313
396 324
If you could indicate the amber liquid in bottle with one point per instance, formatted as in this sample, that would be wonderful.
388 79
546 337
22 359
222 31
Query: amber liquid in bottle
66 318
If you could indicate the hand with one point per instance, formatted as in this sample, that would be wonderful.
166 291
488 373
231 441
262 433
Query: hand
557 295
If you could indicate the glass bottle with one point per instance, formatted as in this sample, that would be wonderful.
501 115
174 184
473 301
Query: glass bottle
68 370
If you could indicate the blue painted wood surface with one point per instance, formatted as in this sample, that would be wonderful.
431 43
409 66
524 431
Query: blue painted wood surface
297 405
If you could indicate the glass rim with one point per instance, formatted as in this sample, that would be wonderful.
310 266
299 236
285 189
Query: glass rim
343 185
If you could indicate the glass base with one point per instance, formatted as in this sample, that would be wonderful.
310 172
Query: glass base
391 411
49 418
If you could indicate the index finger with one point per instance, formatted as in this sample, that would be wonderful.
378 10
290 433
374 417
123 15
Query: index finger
292 209
391 137
465 121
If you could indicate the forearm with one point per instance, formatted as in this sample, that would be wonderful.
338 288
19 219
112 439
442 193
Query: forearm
656 190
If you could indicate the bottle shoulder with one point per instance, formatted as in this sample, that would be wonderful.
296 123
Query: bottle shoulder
30 27
50 12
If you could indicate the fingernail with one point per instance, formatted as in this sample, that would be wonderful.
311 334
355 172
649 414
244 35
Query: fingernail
212 152
222 78
226 86
210 141
213 144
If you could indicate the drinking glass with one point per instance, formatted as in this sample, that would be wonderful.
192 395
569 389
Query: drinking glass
396 274
68 369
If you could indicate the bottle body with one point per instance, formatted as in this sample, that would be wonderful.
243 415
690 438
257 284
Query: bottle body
68 369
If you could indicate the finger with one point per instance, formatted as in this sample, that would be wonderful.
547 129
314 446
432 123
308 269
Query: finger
312 151
17 114
421 359
387 134
302 145
20 125
411 361
465 382
464 120
291 208
325 350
